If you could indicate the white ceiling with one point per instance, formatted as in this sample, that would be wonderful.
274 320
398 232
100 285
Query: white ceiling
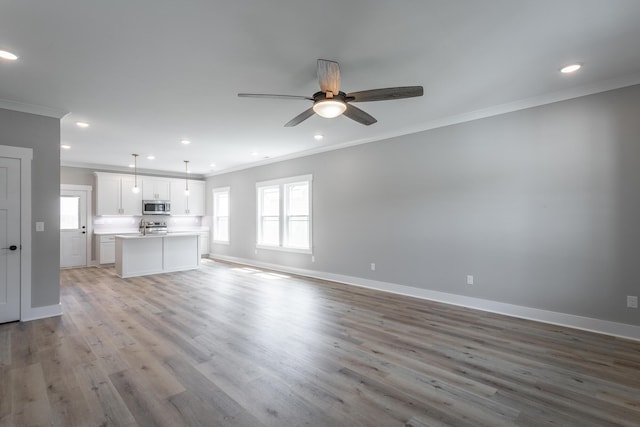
147 73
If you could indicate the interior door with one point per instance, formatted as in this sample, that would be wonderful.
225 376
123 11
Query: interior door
73 228
9 239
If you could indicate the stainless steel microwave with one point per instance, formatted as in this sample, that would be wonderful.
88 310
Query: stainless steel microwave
156 207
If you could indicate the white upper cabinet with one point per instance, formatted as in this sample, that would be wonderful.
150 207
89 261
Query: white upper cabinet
131 203
191 205
156 188
195 200
114 195
178 199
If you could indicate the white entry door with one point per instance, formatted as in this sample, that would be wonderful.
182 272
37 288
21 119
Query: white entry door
73 228
9 239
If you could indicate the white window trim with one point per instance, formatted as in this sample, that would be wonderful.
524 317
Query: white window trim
213 195
280 183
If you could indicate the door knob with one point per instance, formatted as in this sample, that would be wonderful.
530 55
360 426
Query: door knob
11 248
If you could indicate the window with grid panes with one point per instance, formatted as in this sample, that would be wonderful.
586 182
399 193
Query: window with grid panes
221 199
284 214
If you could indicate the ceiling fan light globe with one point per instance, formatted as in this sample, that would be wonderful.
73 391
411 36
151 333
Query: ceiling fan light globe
329 108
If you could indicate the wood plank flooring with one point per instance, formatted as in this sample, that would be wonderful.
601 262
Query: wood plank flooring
232 346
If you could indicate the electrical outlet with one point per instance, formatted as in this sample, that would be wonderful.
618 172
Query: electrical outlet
632 301
469 279
373 266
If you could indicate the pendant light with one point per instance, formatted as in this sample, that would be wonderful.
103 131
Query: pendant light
186 179
135 188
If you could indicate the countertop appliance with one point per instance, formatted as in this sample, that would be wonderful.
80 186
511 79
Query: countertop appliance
156 207
153 227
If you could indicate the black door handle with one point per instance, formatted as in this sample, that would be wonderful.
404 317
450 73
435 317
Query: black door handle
11 248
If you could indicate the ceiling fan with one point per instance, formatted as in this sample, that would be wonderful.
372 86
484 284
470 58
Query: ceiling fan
330 102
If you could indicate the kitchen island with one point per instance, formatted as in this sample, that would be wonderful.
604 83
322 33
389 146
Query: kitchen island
140 255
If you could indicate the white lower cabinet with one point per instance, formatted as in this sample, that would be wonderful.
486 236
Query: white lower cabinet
204 243
153 254
106 249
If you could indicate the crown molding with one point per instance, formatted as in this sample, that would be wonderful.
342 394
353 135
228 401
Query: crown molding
96 167
39 110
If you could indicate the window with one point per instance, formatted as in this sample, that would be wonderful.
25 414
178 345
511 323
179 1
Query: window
221 215
69 213
284 214
269 216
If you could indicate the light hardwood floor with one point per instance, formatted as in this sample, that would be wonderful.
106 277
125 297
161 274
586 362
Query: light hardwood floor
233 346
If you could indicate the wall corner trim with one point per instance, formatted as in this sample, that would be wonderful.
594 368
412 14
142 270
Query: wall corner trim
621 330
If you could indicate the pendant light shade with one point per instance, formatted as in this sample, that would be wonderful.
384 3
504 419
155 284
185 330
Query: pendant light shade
186 179
135 188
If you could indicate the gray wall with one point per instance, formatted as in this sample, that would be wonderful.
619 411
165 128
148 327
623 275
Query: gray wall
540 205
77 176
42 134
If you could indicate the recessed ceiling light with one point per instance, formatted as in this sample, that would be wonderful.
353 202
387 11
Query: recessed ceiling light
255 153
185 141
82 124
212 165
65 146
318 137
131 165
7 55
151 157
571 68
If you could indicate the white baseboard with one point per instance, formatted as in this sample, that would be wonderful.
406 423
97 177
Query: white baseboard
35 313
616 329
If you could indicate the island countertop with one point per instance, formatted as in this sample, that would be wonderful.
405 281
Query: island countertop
156 235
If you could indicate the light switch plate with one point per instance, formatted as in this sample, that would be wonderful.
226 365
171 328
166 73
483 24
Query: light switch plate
39 226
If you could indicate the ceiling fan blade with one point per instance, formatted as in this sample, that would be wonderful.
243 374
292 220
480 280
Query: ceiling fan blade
329 76
354 113
386 94
272 96
300 118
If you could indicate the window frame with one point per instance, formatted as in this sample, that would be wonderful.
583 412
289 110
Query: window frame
283 215
215 216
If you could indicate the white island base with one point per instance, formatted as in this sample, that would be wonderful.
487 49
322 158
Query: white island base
156 253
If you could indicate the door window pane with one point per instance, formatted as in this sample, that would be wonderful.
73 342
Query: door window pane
69 213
